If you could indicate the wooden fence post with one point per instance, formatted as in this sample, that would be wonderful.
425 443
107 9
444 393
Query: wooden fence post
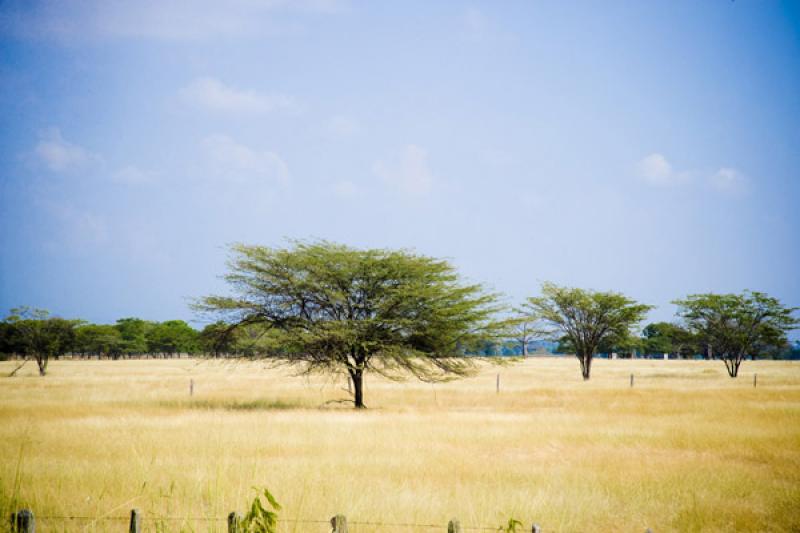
631 380
136 522
339 524
755 380
234 522
454 526
498 384
23 522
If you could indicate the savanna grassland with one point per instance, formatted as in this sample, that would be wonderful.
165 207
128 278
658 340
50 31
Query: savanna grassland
686 449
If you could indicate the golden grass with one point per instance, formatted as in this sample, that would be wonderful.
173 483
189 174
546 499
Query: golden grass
687 449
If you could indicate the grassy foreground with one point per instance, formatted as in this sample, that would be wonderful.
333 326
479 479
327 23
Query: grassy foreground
686 449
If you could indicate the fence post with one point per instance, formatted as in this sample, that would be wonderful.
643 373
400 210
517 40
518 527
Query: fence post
755 380
234 522
23 522
631 380
454 526
339 524
498 383
536 529
191 387
136 521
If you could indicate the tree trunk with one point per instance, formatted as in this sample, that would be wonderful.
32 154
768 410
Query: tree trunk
41 361
525 348
586 365
358 387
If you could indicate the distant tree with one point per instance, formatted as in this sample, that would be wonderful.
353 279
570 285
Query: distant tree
9 339
586 318
98 339
341 309
525 328
134 333
737 325
665 337
172 337
41 336
217 338
624 345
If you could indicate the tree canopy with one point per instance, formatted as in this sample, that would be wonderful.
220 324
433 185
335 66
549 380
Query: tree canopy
586 318
344 310
38 335
737 325
666 337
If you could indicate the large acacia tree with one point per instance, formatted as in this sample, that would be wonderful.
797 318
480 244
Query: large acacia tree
40 336
734 326
334 309
586 319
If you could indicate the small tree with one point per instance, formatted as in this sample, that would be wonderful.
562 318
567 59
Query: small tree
340 309
586 318
98 339
737 325
665 337
524 327
41 336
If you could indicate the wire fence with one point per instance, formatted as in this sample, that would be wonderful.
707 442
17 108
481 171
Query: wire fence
24 521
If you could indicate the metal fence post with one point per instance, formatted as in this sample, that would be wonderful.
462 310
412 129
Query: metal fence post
23 521
454 526
136 522
234 522
339 524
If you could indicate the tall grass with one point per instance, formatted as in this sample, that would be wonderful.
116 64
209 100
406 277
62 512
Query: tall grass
685 449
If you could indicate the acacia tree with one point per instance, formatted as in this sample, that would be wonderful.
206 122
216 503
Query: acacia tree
338 309
524 328
665 337
40 335
737 325
586 319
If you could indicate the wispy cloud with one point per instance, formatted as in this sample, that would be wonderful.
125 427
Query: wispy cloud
729 180
60 155
238 163
409 173
656 170
213 95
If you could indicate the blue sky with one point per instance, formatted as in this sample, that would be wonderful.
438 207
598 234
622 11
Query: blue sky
647 147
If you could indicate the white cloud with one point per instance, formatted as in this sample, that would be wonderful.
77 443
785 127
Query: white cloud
213 95
656 170
59 155
729 180
408 173
238 163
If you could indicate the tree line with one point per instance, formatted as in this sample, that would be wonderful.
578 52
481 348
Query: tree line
36 335
329 308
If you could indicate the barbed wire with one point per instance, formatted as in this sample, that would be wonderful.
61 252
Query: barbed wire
285 520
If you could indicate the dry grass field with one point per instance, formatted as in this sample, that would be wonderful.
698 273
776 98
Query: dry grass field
685 449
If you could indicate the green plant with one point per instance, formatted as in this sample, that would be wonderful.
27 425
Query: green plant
261 519
511 526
